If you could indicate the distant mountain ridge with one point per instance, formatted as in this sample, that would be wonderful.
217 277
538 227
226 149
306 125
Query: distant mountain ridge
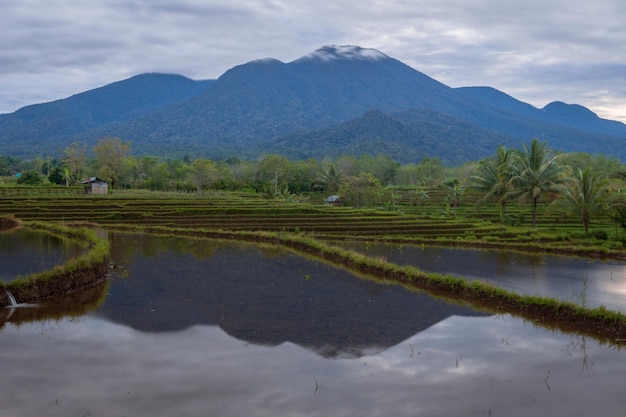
338 99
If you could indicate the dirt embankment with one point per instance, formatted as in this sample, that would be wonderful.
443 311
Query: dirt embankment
56 286
6 224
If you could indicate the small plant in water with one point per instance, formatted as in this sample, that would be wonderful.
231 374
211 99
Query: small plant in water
582 295
318 386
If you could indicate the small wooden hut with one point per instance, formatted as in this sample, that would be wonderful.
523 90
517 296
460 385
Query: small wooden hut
95 185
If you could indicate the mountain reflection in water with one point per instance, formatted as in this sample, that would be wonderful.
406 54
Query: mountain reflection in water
262 295
154 347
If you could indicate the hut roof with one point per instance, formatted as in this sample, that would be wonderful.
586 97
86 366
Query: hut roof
92 179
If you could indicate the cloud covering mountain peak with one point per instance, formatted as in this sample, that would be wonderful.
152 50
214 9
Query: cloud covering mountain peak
350 52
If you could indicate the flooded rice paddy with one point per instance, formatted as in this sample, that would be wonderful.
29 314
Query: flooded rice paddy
588 282
200 327
25 251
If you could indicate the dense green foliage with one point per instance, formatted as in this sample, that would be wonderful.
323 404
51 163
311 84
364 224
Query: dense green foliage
30 177
534 174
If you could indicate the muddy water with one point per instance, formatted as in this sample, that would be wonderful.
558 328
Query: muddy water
25 251
196 328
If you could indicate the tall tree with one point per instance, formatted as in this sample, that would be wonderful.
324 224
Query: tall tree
430 171
538 173
493 177
110 155
587 196
271 172
361 190
380 166
203 173
75 158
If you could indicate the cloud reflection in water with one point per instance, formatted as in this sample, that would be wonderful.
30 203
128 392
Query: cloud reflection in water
461 366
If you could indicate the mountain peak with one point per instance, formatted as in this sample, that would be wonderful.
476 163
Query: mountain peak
570 111
346 52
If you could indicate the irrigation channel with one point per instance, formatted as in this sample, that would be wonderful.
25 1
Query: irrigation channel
204 327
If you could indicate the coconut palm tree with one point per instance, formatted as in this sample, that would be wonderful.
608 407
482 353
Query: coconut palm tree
538 172
330 179
493 177
587 196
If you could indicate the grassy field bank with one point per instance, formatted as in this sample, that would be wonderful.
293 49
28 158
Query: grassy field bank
84 271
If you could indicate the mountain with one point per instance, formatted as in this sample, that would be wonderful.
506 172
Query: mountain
338 99
43 126
255 103
557 112
405 136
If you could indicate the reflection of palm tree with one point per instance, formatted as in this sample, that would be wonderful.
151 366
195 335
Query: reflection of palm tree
331 178
538 173
493 176
588 196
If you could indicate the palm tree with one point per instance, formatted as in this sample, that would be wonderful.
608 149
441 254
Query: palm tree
455 194
418 196
587 196
493 176
538 172
330 179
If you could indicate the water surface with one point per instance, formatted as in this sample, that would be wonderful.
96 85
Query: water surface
197 328
25 251
581 280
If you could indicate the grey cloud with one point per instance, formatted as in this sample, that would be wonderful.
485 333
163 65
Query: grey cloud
461 366
536 46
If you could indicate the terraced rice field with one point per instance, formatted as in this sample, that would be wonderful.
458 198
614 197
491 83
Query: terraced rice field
429 223
302 226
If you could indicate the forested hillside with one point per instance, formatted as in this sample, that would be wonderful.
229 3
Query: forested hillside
336 100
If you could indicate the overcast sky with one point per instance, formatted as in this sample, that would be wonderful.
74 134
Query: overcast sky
535 50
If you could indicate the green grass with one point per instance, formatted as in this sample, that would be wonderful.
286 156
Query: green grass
84 270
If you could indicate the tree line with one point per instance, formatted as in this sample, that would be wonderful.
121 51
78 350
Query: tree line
576 184
112 160
575 189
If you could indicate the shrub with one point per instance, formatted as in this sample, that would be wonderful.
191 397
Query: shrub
564 237
30 177
600 235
